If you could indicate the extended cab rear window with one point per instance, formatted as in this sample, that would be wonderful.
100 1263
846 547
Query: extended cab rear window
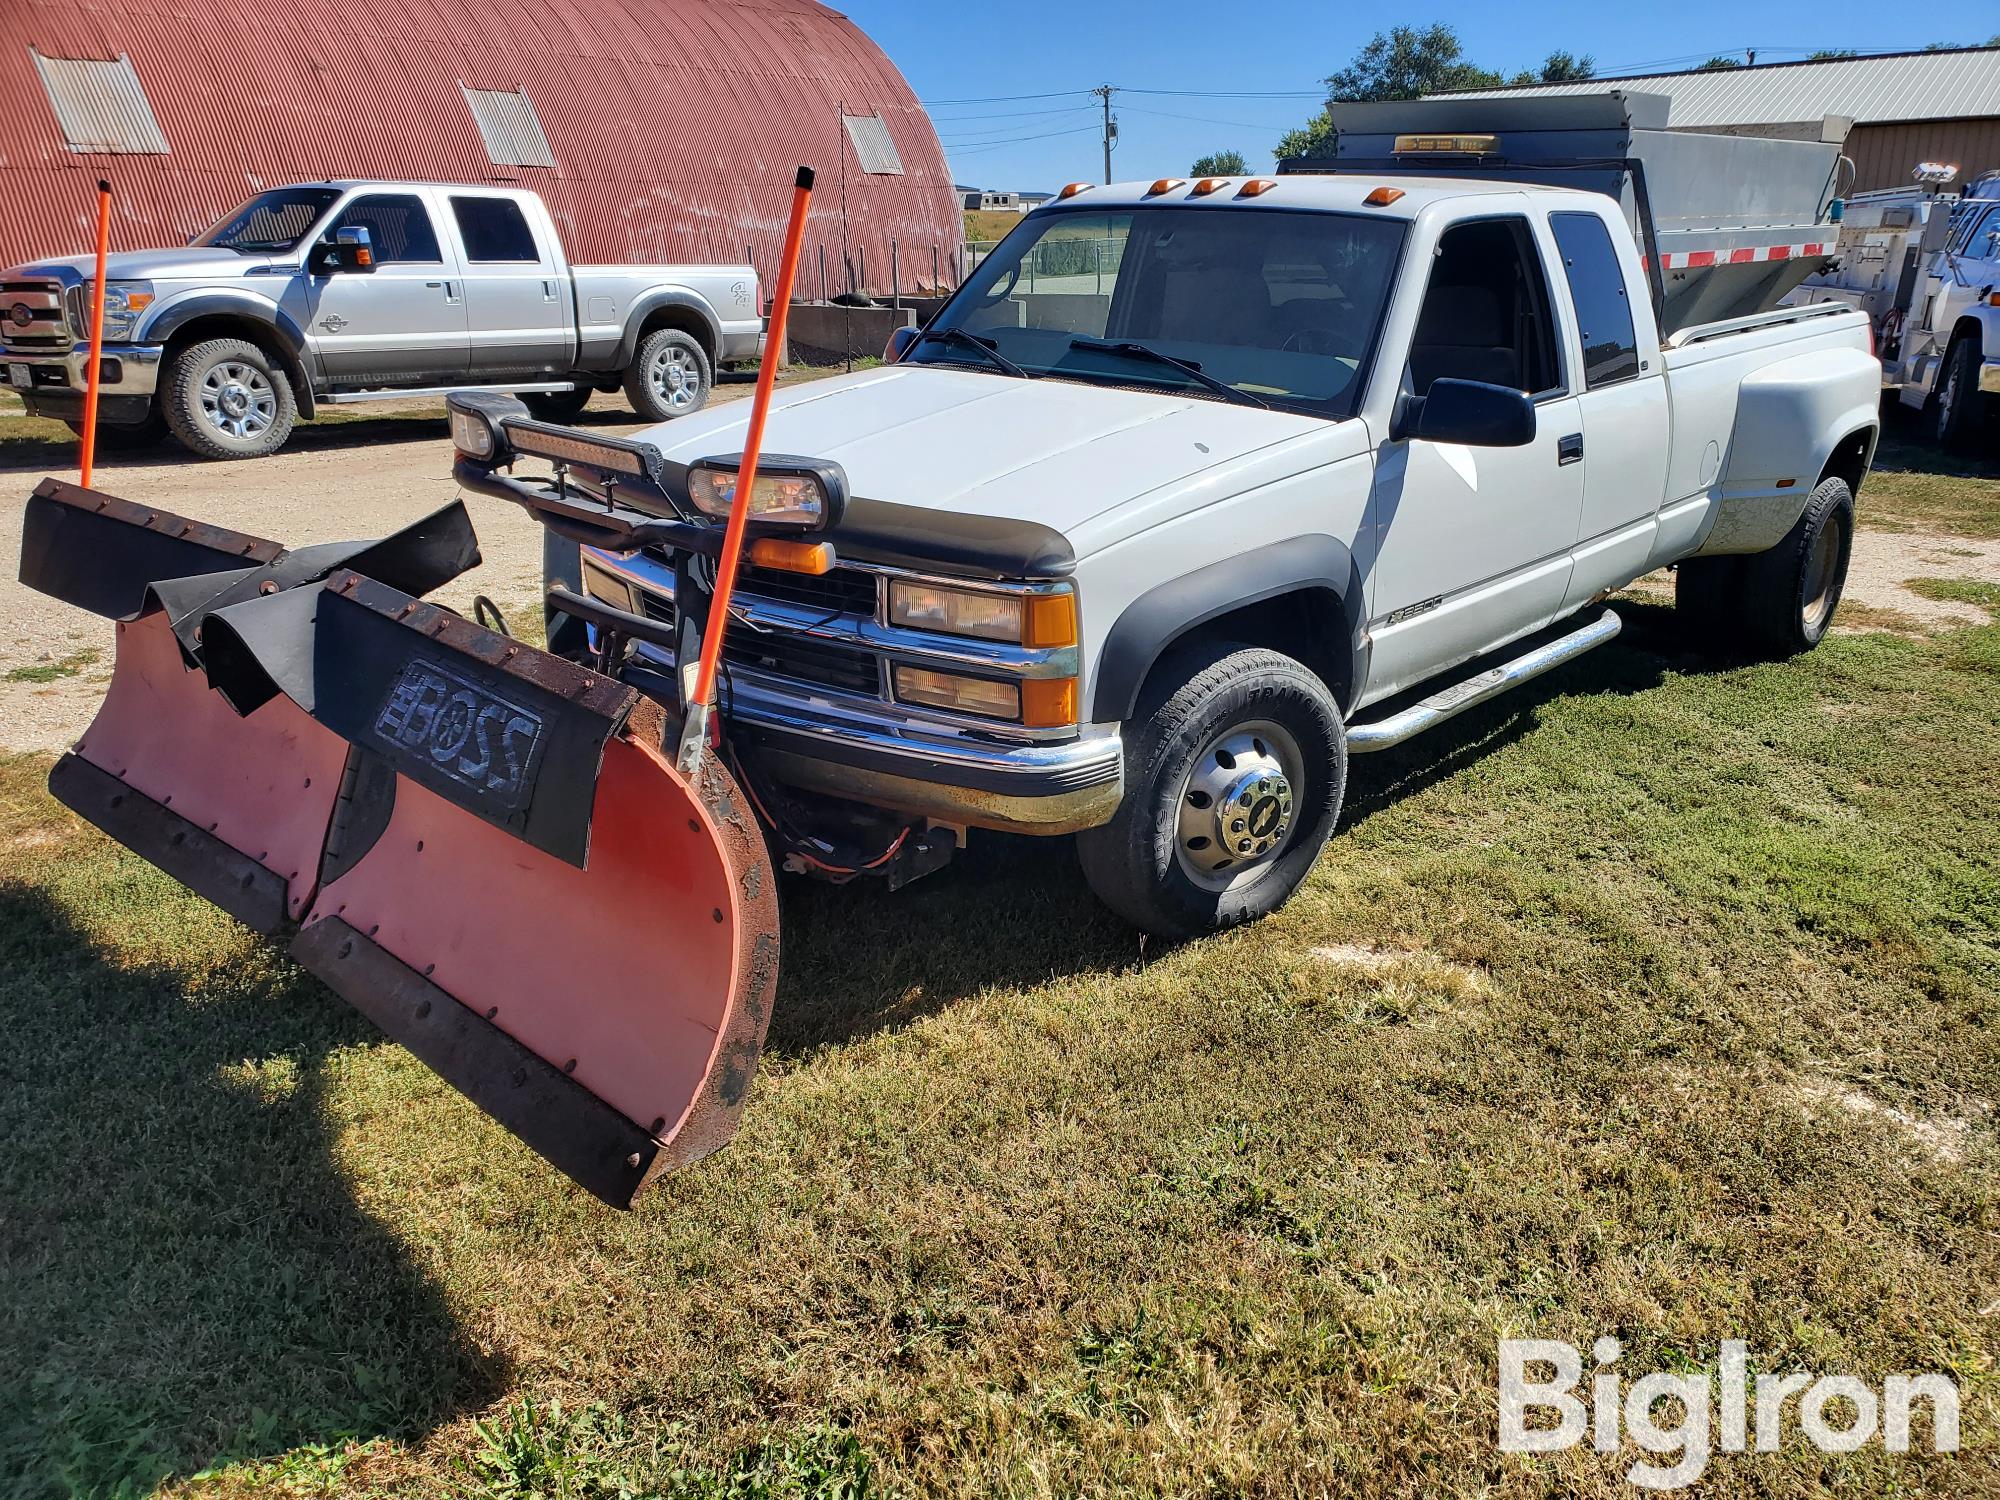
494 229
1597 287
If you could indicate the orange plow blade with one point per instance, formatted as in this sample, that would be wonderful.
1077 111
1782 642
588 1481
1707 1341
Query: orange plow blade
480 846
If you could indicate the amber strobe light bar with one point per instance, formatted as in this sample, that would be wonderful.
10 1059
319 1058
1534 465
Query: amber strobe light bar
694 728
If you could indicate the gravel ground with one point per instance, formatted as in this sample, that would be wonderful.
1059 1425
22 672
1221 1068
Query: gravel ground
355 478
368 476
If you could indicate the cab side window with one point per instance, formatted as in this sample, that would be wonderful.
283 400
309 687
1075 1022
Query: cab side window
1603 308
398 225
1485 315
494 230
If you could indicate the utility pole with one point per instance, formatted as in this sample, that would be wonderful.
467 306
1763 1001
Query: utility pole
1110 126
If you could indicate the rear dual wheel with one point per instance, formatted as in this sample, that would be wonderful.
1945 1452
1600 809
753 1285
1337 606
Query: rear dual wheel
1235 766
1777 603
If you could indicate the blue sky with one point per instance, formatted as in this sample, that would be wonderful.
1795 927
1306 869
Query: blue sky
964 50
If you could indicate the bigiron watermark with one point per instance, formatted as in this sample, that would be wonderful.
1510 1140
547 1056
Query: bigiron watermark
1542 1409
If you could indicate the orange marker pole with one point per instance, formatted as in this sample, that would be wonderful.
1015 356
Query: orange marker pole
96 333
694 729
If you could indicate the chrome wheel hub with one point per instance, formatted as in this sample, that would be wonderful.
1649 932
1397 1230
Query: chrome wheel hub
1235 811
676 378
237 399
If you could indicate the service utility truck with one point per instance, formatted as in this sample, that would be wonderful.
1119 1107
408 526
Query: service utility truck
331 292
1192 491
1924 265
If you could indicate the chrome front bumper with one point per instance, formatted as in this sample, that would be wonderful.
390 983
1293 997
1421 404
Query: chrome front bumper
57 379
877 752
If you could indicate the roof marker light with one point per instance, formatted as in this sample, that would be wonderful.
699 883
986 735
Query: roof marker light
1071 189
1256 187
1382 197
1167 184
1208 185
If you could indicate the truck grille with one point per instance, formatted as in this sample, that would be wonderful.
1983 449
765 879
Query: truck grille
33 319
828 664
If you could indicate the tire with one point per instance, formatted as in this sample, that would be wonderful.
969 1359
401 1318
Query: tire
1958 410
670 376
1209 727
557 406
1774 604
225 398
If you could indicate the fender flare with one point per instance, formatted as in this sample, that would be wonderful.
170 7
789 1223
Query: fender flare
1153 622
650 303
291 338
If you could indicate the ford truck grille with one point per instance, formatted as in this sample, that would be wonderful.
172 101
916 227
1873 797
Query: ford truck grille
33 318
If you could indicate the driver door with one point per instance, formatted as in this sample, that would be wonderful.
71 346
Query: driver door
403 324
1472 545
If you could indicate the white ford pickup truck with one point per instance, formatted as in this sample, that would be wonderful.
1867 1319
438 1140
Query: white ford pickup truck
1193 490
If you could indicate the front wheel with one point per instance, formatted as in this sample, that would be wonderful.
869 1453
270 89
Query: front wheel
1958 408
670 376
226 398
1234 772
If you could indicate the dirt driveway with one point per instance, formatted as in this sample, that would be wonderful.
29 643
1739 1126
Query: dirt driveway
362 477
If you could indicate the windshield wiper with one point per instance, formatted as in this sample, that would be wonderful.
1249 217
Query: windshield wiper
959 338
1133 349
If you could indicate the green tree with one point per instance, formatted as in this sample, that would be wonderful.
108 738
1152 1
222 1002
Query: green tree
1314 138
1567 67
1220 164
1720 64
1406 62
1831 54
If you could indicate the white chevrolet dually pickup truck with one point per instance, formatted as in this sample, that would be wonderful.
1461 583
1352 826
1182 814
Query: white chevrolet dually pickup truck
1196 488
353 291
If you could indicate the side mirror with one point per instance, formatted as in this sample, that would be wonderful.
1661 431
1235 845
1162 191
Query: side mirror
351 249
900 339
1469 412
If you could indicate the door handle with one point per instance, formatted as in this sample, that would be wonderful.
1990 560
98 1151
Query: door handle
1569 448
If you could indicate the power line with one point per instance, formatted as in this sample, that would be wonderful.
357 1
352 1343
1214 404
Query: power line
1012 114
1004 98
994 145
1207 119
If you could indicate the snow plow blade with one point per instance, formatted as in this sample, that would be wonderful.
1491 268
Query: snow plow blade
478 845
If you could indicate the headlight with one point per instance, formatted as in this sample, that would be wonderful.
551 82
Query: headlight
476 424
965 695
123 302
790 491
1039 620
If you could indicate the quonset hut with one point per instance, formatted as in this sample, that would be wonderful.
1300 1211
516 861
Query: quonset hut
656 131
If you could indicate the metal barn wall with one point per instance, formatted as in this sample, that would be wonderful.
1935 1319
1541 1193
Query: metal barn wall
1884 155
676 125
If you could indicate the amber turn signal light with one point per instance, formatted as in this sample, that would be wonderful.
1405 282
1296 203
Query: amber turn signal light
1051 621
1048 702
789 556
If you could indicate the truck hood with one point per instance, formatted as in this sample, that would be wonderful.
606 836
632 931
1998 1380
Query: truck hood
1054 452
188 263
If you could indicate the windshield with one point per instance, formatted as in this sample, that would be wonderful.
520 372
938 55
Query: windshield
1278 306
276 220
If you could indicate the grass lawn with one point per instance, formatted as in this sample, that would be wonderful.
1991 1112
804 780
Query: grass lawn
1659 999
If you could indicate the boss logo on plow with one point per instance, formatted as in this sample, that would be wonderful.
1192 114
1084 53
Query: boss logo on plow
462 730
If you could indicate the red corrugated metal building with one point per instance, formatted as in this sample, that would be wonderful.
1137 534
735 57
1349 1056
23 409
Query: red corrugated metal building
670 128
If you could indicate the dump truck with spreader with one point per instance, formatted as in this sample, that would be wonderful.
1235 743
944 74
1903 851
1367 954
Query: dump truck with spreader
1191 491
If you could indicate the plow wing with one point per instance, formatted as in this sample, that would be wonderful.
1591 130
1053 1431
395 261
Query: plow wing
478 845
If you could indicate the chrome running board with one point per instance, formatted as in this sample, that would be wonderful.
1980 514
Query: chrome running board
1456 699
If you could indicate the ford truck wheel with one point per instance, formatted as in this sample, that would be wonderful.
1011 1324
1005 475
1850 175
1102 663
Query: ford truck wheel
1234 770
227 399
670 376
1958 408
1779 602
